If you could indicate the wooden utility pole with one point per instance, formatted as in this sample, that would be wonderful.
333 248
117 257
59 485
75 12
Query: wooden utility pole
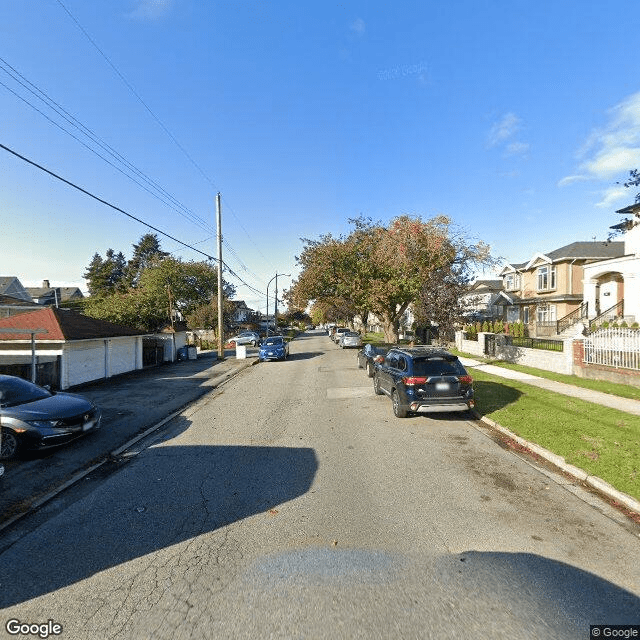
220 322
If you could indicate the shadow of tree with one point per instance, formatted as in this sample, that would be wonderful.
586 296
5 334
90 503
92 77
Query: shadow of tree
167 495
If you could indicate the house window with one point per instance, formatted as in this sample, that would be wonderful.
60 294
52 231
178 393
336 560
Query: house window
525 315
546 278
546 313
512 282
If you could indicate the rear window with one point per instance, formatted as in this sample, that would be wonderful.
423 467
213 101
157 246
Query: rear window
438 367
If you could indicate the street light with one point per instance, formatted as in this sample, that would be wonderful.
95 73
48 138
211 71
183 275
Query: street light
275 314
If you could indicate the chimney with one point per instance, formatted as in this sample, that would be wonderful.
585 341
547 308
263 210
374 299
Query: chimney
45 284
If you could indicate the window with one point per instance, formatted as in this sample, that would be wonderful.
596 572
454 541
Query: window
525 315
546 278
546 313
512 281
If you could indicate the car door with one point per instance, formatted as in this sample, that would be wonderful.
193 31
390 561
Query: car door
387 370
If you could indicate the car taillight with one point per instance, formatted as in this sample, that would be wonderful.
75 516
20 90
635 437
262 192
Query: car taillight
413 380
465 379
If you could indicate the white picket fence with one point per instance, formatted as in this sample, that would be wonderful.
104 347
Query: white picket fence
618 348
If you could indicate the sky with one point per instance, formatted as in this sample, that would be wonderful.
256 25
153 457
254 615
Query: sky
519 120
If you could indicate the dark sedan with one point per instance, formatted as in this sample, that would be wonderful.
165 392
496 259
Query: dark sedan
33 417
367 354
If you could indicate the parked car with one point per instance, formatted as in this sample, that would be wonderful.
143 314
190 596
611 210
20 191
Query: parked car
335 336
246 337
273 348
33 417
349 339
423 380
367 355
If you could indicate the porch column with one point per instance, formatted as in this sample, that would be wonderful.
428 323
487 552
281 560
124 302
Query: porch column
590 288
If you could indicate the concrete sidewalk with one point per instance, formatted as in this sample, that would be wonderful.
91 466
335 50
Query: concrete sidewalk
597 397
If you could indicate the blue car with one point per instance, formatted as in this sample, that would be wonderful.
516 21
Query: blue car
274 348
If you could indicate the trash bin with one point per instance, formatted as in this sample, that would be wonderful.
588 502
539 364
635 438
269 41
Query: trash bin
182 353
192 352
241 351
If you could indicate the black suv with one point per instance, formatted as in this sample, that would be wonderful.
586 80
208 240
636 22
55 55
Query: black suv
423 380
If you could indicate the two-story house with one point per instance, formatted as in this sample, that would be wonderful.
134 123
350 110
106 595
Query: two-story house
485 300
547 291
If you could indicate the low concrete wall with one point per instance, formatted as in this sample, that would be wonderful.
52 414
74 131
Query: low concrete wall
557 361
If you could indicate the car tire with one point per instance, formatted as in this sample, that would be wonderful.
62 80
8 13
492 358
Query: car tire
10 445
370 370
398 411
253 343
376 386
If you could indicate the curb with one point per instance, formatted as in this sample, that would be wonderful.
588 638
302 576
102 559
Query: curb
79 475
558 461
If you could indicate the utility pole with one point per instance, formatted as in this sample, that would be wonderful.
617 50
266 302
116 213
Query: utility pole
220 322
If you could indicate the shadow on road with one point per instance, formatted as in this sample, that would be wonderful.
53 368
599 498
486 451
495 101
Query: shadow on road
165 496
553 591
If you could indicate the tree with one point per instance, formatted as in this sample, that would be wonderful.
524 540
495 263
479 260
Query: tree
167 289
144 254
105 276
382 269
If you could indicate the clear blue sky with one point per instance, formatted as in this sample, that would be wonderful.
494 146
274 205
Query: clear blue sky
514 118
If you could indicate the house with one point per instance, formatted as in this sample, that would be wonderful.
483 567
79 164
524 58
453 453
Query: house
547 292
241 313
10 306
612 286
48 295
485 300
11 286
72 349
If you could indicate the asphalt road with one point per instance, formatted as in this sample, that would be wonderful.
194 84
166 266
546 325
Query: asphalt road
293 504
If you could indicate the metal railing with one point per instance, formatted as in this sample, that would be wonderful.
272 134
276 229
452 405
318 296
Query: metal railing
617 311
535 343
581 313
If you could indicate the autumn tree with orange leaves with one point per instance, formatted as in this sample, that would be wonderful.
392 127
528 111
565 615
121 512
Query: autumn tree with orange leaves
382 268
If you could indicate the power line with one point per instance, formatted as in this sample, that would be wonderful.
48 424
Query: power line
153 115
105 202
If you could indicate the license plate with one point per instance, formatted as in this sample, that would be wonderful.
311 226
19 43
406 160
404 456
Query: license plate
443 386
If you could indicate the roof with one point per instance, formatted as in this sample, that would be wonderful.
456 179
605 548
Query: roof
63 324
588 250
492 285
6 301
631 209
64 292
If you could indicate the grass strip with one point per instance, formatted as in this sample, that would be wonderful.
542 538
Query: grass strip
612 388
602 441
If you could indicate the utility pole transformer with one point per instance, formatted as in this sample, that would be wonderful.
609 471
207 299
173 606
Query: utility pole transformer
220 322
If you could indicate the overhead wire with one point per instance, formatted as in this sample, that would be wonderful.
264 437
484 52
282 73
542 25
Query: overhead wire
160 123
118 157
103 201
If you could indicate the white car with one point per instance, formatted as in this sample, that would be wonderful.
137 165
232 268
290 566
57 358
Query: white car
350 339
246 337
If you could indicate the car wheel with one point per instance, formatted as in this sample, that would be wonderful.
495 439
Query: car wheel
376 386
370 370
253 343
10 445
398 411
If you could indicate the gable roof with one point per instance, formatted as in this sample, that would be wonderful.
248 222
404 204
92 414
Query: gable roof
588 250
489 285
63 324
63 293
10 285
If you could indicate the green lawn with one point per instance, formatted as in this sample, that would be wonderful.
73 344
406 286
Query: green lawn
615 389
602 441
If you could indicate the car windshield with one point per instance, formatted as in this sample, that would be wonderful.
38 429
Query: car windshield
273 342
438 367
17 391
352 334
